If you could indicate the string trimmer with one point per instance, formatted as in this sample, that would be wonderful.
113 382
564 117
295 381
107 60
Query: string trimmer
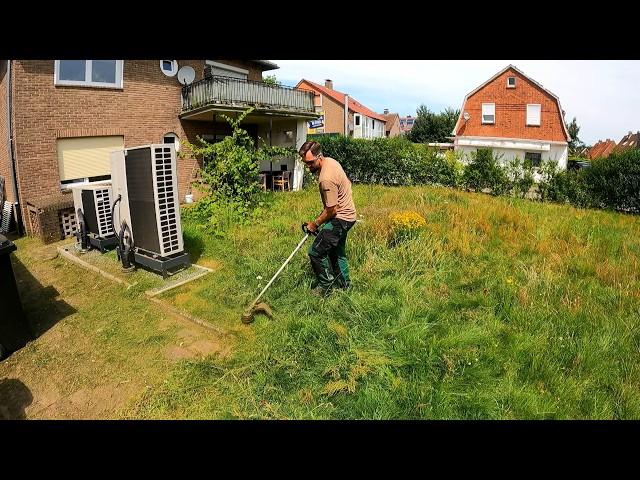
255 307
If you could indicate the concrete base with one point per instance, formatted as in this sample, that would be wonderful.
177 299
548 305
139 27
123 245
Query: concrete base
162 265
102 243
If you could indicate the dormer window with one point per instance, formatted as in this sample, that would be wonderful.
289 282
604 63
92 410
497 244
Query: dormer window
511 82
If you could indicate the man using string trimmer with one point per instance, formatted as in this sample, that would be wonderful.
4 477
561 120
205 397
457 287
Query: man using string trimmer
328 251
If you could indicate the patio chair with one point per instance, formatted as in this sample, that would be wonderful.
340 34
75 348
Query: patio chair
282 181
263 181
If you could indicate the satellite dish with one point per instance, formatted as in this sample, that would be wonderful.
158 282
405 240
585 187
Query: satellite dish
466 115
186 75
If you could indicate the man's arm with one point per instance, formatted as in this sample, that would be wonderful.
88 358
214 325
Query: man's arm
327 214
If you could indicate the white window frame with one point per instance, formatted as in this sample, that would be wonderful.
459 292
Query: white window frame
356 120
514 82
493 108
176 141
539 115
174 68
87 75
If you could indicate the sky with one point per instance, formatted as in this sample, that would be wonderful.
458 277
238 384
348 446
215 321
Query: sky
603 95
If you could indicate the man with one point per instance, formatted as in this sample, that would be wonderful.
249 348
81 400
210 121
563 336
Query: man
327 254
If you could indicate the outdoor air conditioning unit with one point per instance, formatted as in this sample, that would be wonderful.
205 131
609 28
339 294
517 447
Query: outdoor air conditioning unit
147 219
92 205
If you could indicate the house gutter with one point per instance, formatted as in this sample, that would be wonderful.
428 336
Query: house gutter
12 158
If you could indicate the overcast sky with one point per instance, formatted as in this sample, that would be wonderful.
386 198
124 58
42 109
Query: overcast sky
604 95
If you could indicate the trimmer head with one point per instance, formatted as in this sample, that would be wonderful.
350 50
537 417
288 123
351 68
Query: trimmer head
248 315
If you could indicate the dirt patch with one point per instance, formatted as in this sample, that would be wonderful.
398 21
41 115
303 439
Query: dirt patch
88 403
175 353
210 263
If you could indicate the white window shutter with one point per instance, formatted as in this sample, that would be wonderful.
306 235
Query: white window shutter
533 114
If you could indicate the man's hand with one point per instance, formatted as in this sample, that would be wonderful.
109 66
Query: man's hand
312 227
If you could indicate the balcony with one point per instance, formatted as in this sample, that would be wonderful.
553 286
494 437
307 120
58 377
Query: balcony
226 93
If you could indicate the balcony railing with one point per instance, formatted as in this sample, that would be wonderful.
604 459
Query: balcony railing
229 91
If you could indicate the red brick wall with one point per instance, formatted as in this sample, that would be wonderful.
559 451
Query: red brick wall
5 171
510 114
146 108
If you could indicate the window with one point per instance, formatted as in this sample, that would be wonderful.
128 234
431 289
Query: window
86 158
534 158
88 73
224 70
169 67
172 138
511 82
533 114
488 113
357 118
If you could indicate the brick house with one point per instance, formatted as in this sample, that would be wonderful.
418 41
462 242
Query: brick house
406 124
515 116
392 126
356 121
59 119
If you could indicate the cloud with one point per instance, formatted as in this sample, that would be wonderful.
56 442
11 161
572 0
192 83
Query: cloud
602 94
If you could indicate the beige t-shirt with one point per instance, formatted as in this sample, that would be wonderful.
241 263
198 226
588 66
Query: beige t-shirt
335 189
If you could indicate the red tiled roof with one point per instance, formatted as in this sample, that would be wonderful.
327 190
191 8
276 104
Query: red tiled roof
389 118
630 140
354 105
602 148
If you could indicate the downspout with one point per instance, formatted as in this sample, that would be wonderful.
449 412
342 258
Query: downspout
346 115
12 159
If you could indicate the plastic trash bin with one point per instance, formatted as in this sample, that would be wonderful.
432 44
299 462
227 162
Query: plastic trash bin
14 331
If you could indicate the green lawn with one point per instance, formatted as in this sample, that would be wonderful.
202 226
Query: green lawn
501 308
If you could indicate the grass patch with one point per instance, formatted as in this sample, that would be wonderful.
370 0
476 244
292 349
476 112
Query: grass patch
497 308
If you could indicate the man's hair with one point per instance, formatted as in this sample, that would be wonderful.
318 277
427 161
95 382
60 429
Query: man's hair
315 148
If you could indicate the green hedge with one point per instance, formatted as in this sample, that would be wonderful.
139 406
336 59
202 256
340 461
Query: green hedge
391 161
611 183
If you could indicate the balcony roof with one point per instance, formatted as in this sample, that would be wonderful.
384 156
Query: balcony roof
207 112
266 64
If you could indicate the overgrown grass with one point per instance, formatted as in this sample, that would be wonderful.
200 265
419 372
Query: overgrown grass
499 308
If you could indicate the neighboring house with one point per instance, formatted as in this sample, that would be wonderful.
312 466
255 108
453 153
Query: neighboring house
357 121
392 125
60 119
602 149
406 124
515 116
630 140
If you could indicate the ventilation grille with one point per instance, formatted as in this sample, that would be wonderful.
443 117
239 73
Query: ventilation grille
166 185
103 212
68 223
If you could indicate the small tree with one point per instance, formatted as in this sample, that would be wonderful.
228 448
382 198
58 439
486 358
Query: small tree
575 145
272 81
431 127
230 173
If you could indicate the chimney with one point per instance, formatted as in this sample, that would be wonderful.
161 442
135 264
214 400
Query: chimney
328 83
386 111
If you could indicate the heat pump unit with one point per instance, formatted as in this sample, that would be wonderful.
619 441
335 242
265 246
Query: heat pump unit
145 184
92 205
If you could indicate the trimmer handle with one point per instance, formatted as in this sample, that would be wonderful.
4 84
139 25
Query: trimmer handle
307 231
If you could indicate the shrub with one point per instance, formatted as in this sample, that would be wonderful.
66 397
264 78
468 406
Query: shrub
519 176
484 172
614 182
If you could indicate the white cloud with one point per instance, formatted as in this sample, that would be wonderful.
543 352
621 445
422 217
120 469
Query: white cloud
602 94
